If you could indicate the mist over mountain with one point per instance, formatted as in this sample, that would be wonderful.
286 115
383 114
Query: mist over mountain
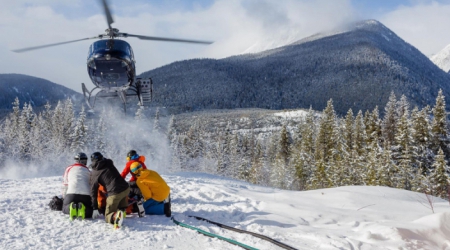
33 90
358 68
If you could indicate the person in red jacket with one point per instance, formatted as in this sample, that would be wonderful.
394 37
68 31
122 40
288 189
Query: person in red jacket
135 192
132 156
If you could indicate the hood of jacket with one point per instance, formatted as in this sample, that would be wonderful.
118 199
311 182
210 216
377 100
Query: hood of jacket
99 165
143 174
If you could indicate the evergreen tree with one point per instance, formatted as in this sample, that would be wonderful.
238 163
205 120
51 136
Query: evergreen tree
11 130
100 137
388 169
370 176
171 130
156 125
349 130
324 140
57 129
79 135
439 179
246 157
284 145
421 136
257 164
280 172
41 135
308 137
304 160
320 178
224 151
26 124
360 136
404 151
373 126
389 122
439 126
402 106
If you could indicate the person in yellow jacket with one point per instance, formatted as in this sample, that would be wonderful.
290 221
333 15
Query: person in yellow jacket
154 189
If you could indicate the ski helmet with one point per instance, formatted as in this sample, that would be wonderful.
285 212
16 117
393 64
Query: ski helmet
81 158
132 155
97 156
135 167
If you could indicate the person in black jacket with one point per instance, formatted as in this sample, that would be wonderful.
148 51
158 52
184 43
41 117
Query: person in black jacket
105 173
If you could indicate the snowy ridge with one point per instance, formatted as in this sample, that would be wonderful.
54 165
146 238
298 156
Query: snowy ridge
356 66
442 59
354 217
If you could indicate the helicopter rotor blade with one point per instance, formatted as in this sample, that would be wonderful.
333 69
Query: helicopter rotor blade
109 18
53 44
165 39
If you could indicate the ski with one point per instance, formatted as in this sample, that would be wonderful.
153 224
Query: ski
280 244
212 235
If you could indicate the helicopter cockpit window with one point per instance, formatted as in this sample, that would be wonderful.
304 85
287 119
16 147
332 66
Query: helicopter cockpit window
111 45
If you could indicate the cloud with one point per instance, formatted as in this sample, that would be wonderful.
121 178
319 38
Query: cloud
424 25
235 26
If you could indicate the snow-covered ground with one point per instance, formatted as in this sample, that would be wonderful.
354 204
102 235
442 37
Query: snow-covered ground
338 218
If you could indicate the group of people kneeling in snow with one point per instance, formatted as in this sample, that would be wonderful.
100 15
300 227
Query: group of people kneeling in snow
87 193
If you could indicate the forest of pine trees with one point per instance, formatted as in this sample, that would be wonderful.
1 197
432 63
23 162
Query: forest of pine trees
49 140
406 149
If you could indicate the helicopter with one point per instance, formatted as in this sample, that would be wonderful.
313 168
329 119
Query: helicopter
111 65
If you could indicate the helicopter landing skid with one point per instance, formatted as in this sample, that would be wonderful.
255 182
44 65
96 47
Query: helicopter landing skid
142 88
87 96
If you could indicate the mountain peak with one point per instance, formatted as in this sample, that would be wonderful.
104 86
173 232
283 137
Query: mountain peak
442 59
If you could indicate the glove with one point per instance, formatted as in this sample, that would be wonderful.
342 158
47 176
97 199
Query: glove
95 214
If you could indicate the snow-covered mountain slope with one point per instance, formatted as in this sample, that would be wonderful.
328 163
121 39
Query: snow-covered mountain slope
35 91
358 67
337 218
442 59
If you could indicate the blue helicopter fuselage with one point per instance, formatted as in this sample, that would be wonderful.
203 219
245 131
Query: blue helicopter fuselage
111 64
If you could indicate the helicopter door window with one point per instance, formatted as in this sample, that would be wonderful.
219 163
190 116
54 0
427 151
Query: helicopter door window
130 53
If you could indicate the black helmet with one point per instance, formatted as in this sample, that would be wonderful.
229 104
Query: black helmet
81 158
97 156
131 153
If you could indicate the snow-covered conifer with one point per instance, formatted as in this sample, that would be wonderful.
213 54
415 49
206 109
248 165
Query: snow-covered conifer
390 120
421 136
324 140
156 125
439 126
79 135
360 136
439 179
348 130
388 170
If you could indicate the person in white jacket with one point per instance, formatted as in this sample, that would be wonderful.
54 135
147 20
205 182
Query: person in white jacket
76 189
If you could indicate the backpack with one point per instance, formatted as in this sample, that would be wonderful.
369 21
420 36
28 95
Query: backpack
56 203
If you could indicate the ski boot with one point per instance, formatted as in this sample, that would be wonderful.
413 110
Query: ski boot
140 206
73 211
167 207
118 218
81 210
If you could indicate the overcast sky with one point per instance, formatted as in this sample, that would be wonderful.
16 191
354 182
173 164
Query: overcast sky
236 26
